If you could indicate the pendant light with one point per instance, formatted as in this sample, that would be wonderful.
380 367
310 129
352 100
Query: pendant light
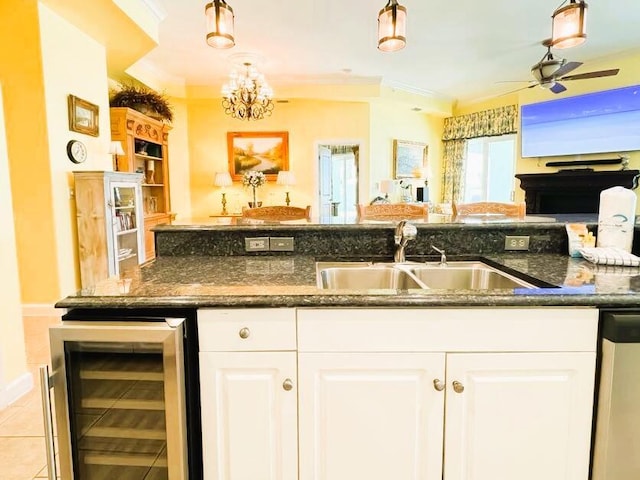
569 25
392 27
219 24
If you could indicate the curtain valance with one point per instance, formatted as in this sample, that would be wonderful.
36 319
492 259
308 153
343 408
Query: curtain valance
487 123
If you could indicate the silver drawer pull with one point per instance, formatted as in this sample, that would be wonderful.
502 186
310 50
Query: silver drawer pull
244 332
438 384
458 387
287 384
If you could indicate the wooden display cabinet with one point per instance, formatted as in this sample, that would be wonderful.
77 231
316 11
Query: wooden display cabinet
109 217
145 144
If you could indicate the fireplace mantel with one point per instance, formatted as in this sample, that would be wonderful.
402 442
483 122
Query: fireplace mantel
571 191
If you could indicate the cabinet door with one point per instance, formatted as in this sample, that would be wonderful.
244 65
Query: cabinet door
249 415
520 416
374 416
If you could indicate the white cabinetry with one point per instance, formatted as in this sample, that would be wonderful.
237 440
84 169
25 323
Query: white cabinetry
370 416
248 388
518 415
407 394
519 406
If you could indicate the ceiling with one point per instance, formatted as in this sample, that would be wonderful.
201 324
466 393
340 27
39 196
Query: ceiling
455 50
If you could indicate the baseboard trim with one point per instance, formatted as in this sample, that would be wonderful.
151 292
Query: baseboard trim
16 389
41 310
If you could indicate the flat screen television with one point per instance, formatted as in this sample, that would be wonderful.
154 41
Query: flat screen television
600 122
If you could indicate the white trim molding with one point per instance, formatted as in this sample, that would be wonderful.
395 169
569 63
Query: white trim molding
16 389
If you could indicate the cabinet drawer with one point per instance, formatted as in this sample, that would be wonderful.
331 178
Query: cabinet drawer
447 330
256 329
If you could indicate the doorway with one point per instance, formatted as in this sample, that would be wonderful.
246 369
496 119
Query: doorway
338 186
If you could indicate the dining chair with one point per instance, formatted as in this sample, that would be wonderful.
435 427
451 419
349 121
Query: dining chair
512 210
278 213
391 211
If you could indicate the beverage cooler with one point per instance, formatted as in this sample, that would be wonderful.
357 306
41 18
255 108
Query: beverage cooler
119 392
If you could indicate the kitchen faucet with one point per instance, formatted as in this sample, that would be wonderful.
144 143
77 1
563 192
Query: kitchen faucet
404 232
443 257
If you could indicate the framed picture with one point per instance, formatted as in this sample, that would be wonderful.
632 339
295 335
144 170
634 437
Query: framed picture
267 152
408 157
83 116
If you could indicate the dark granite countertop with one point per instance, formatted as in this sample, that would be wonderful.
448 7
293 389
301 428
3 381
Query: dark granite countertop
290 281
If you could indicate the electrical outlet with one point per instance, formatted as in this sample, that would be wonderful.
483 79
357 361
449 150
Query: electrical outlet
281 244
516 242
256 244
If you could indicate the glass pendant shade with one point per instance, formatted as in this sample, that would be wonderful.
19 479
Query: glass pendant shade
392 27
569 25
219 24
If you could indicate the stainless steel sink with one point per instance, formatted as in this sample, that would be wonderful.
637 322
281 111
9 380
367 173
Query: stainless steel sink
456 275
364 276
467 276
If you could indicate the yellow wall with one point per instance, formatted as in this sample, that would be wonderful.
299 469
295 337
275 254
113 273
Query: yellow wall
309 122
179 168
398 121
28 148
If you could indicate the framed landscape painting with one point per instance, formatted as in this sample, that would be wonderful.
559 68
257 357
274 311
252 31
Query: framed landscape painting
83 116
408 157
267 152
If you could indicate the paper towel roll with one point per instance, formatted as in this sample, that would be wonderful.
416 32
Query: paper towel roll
616 218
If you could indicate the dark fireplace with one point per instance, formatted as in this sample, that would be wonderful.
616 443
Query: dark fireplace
571 191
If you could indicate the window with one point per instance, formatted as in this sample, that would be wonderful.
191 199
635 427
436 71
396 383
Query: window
489 169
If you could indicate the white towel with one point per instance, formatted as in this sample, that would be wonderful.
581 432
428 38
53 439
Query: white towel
610 256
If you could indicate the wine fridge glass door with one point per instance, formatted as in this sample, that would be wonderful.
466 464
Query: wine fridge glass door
119 391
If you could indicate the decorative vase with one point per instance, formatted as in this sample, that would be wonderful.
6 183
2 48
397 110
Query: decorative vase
255 203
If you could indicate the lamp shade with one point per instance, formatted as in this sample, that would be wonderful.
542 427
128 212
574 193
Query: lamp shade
115 148
286 177
569 25
219 24
386 186
222 179
392 27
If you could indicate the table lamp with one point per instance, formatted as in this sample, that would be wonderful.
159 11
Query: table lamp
386 187
286 178
115 149
223 179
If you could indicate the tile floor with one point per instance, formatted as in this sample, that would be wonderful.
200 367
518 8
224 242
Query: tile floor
22 446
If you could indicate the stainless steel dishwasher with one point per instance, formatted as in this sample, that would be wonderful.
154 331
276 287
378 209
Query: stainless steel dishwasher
616 454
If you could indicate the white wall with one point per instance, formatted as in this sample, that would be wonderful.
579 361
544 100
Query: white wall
73 63
14 378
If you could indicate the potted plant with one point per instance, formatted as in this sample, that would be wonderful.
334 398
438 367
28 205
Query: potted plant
142 99
253 179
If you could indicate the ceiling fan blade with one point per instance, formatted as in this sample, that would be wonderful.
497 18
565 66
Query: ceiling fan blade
517 90
514 81
558 88
566 68
599 73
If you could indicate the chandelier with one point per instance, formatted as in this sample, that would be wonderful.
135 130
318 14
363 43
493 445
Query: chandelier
247 95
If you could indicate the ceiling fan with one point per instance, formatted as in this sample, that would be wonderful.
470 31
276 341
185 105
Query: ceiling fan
550 71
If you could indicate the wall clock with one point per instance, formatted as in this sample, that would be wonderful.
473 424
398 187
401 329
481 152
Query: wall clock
76 151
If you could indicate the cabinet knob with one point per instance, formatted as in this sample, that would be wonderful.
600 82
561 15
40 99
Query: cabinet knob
438 384
244 332
458 387
287 384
